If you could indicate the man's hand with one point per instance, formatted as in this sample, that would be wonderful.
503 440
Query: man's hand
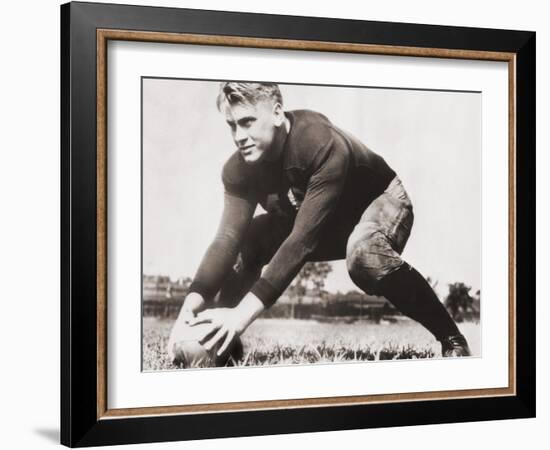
193 303
228 323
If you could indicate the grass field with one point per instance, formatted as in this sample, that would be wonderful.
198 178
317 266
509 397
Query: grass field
286 341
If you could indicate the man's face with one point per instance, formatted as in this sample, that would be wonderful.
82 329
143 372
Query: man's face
253 128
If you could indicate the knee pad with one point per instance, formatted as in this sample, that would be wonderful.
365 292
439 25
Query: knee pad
370 260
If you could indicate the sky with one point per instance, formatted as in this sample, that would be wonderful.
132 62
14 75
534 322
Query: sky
432 139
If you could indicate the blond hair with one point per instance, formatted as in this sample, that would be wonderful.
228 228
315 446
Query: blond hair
248 93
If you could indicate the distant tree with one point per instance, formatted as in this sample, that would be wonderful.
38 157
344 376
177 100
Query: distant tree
459 302
476 305
311 279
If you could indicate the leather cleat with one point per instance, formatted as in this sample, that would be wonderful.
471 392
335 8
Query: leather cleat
454 346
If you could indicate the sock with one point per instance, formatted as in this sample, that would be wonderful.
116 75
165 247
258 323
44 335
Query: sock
411 294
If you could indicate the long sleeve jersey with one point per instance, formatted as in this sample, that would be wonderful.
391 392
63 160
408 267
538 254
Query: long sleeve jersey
324 179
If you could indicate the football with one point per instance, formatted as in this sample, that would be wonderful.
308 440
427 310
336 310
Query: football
189 353
192 354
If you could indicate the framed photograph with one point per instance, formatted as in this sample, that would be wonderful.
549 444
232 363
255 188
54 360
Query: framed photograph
278 224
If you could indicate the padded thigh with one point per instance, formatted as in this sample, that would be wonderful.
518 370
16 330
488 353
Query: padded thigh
374 248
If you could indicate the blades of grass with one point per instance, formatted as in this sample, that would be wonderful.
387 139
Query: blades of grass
316 351
245 361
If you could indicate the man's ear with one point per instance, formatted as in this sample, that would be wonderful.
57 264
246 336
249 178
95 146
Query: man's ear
279 114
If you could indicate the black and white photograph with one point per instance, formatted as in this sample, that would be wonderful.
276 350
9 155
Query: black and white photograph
289 224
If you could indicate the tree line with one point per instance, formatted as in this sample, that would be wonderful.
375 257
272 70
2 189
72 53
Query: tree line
306 298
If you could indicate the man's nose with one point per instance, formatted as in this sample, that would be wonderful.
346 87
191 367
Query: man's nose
240 135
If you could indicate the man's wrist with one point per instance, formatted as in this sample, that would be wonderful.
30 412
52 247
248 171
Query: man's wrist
199 288
264 291
193 302
249 308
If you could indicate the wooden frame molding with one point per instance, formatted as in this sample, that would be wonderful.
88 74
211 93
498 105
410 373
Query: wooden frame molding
103 36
